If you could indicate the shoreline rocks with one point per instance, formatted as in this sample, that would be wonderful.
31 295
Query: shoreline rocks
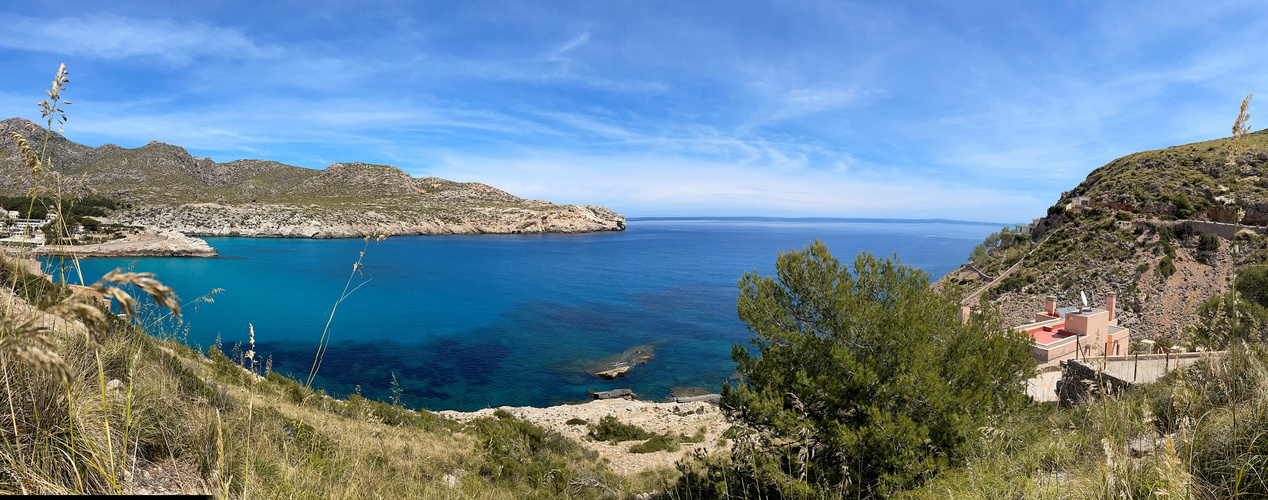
149 244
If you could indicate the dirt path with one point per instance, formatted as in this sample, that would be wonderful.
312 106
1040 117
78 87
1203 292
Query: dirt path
971 298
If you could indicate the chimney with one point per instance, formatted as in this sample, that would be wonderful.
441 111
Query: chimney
1050 305
1109 305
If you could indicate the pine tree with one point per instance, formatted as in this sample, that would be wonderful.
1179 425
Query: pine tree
863 382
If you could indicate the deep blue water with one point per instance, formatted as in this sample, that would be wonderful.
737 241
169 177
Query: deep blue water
467 322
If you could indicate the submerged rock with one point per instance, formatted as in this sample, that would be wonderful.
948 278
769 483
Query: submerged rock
617 365
687 392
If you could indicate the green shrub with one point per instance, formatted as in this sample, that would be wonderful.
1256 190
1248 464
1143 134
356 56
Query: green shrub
577 421
518 451
613 430
1165 268
735 431
656 443
1185 230
1208 242
1252 283
1184 207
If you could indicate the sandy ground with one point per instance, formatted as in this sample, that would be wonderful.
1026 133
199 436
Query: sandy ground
682 418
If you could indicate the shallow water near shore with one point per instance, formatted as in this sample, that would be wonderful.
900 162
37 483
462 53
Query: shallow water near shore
467 322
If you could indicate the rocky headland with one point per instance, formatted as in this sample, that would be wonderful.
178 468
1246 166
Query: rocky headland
162 187
146 244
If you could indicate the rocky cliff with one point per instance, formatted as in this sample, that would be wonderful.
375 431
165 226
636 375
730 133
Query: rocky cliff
163 187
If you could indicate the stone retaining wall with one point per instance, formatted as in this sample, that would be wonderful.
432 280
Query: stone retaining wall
1080 383
1222 229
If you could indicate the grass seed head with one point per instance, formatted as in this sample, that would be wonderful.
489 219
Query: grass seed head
162 294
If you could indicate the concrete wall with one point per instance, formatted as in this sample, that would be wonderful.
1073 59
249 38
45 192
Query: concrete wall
1085 379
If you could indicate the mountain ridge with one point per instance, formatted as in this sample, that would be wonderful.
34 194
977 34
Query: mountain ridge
163 183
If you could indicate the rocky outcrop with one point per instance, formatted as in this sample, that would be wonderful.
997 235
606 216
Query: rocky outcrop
150 244
617 365
614 394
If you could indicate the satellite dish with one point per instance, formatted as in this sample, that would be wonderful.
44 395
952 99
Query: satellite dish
1084 297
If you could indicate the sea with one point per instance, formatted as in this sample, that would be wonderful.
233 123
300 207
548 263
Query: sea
469 322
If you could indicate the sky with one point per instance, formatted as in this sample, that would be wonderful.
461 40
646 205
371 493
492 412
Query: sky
980 111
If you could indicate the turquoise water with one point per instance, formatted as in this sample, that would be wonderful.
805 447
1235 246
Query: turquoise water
467 322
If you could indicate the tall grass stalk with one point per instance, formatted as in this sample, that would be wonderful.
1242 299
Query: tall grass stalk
1235 151
348 289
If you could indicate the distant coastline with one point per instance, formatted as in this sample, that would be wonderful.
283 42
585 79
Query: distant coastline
863 220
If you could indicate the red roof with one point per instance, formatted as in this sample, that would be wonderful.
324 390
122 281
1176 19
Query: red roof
1049 333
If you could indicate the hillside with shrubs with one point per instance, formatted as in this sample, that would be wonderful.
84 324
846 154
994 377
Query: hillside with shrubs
1133 236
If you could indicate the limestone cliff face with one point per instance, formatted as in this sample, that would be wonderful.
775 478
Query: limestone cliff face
163 187
291 221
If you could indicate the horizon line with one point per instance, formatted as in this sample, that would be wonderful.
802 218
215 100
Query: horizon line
877 220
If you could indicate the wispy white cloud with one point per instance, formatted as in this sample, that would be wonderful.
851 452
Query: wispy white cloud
109 36
672 185
575 42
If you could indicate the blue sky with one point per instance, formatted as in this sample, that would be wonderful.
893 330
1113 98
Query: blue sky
963 110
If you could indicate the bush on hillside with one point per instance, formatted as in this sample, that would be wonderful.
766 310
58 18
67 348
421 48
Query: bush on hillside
1166 268
1184 207
614 430
1208 242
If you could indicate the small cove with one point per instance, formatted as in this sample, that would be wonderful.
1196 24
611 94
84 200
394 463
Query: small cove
467 322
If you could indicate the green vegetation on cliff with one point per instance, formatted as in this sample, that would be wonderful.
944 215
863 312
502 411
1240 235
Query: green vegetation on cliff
1187 181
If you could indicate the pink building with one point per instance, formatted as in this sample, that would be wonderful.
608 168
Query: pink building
1074 332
